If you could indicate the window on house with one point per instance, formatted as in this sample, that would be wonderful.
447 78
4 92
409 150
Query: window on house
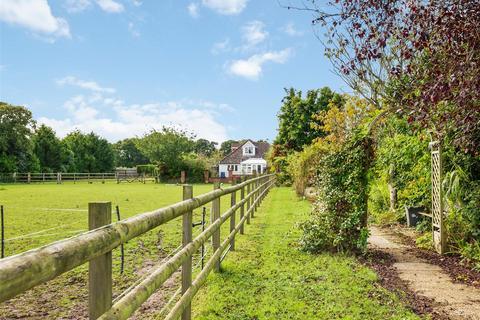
236 167
249 150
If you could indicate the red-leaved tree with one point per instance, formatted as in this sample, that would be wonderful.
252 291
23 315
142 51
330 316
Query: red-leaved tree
420 57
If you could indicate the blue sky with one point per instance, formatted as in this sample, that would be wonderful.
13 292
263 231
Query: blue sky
123 67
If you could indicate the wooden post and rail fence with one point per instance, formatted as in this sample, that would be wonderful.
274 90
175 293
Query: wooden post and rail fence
24 271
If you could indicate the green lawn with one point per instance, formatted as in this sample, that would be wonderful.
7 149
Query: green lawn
62 211
267 277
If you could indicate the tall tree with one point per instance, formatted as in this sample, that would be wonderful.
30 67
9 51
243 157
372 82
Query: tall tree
167 148
91 153
127 153
16 147
103 153
205 147
296 117
226 146
48 149
420 57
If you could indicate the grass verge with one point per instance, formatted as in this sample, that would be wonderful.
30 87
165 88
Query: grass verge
267 277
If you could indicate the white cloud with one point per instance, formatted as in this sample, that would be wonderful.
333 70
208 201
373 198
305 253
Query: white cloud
74 6
226 7
110 6
222 46
290 29
113 119
136 120
254 33
251 68
89 85
137 3
133 30
193 9
35 15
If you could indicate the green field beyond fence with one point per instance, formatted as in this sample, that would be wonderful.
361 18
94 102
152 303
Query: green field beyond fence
152 240
38 214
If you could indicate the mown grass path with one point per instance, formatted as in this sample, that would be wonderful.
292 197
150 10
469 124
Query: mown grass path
267 277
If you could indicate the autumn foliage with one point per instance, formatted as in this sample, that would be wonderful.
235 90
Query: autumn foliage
421 58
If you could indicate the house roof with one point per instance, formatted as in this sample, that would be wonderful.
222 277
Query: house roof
236 156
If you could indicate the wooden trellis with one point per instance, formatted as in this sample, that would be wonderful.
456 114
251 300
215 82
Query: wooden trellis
438 230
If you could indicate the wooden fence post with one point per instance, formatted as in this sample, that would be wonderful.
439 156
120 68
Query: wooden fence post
206 175
183 177
215 217
249 200
242 208
100 268
232 217
259 182
186 239
264 188
254 197
29 177
2 223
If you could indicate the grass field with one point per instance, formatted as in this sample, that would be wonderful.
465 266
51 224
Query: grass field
48 212
266 278
45 213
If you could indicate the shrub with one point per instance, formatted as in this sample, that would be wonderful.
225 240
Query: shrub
379 203
471 253
425 241
302 167
194 167
339 218
403 159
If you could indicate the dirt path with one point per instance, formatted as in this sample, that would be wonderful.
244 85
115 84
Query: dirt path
458 301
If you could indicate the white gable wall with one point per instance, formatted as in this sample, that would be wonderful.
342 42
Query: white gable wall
248 149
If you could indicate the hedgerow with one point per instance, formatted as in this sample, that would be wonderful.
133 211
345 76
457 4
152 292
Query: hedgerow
339 218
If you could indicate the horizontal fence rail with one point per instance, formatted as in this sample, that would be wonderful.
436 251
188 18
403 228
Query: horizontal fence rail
26 270
57 177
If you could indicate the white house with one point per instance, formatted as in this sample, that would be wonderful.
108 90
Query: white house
244 159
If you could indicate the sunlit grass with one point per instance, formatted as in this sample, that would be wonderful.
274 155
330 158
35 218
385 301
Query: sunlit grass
267 277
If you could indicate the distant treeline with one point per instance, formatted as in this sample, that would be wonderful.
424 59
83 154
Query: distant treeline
27 147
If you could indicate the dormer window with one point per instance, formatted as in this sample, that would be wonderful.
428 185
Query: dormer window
249 151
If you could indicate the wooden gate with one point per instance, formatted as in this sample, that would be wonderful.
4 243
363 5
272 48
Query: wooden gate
438 229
